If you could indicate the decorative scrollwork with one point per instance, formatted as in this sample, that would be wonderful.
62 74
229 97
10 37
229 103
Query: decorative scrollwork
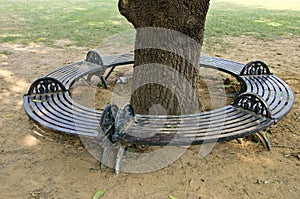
94 57
124 116
254 103
46 85
256 68
107 121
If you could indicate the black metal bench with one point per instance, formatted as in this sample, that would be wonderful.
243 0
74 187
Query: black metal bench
265 99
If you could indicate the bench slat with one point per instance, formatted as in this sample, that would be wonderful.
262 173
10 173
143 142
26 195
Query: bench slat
192 122
159 118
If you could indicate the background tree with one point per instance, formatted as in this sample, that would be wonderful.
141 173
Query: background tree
167 52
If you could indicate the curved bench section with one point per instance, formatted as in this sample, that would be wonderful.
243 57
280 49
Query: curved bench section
277 94
227 66
256 78
60 113
265 100
217 126
48 101
70 73
249 114
92 65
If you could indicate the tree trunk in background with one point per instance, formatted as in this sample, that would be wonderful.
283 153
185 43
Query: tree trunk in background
167 51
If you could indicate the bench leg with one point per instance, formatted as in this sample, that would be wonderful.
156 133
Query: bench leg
264 140
111 70
119 159
99 75
104 158
104 83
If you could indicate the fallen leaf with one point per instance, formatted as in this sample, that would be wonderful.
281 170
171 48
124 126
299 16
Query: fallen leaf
172 197
98 194
8 115
41 39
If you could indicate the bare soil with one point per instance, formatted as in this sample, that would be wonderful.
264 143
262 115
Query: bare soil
52 165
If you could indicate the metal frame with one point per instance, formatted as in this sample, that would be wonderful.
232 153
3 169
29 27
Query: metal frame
264 99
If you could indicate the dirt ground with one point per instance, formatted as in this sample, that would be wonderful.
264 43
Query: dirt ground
57 166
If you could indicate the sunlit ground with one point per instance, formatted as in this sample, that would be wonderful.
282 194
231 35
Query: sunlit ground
268 4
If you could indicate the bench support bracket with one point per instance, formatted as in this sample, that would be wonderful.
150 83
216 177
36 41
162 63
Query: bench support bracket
264 140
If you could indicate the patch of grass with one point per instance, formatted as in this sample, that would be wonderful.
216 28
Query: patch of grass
231 19
5 52
216 44
84 22
268 4
88 22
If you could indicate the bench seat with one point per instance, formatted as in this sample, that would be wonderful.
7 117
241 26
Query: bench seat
219 125
277 94
70 73
263 101
227 66
58 111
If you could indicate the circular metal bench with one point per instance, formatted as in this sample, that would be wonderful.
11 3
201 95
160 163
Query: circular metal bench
263 101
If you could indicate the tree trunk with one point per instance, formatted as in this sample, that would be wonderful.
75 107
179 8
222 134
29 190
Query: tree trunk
167 51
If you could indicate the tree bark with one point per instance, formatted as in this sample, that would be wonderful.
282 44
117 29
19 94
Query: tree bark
167 51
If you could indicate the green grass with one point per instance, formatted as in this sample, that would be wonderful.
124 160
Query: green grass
84 22
268 4
5 52
232 19
88 22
